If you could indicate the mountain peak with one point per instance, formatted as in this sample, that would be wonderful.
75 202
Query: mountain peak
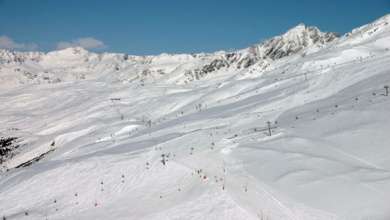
301 30
298 28
293 41
72 51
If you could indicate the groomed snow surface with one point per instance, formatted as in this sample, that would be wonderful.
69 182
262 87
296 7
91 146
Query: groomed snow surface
161 150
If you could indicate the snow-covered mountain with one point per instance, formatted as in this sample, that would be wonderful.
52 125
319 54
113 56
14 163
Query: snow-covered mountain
295 127
77 63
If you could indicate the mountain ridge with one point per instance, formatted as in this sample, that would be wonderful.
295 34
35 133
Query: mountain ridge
292 42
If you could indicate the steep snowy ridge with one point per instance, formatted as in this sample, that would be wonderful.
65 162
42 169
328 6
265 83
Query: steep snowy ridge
292 128
368 31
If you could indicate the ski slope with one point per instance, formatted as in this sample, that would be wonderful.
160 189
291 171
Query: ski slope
115 146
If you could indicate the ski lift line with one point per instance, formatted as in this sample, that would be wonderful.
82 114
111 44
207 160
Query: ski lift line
320 69
344 101
257 129
329 108
360 95
377 91
364 60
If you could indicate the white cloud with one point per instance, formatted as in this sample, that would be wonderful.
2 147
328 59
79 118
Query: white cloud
85 42
8 43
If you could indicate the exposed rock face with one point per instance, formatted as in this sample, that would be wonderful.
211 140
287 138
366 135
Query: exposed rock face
8 56
7 146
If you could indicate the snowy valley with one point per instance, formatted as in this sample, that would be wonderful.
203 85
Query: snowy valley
296 127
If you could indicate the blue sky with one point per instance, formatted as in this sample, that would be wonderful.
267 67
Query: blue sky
173 26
